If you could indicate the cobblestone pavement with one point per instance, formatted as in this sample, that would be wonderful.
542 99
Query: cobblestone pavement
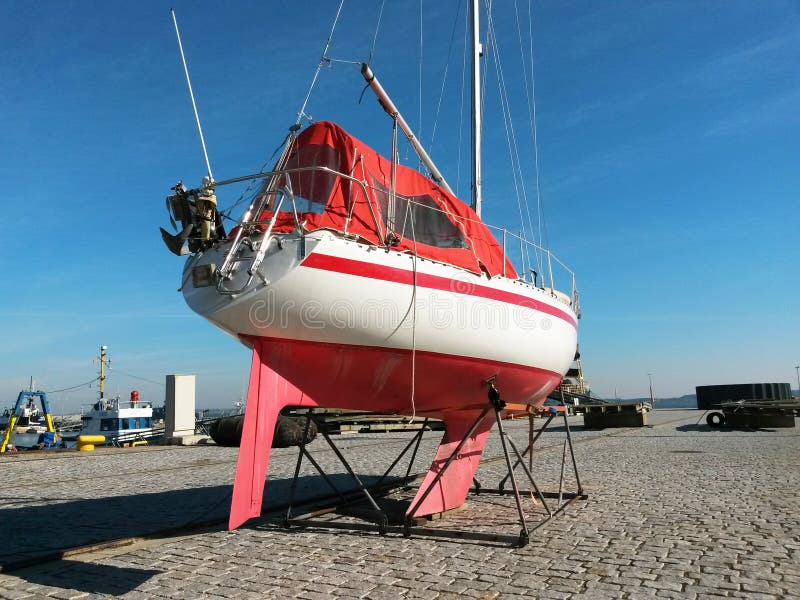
676 510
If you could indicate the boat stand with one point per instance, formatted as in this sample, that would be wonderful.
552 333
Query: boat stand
564 498
352 496
410 527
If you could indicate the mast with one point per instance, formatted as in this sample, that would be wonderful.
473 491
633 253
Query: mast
476 108
104 360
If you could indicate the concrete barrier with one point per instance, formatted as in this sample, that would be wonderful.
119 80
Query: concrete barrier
615 415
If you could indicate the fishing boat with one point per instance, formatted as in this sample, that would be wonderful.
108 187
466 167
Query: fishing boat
30 418
361 283
26 425
121 422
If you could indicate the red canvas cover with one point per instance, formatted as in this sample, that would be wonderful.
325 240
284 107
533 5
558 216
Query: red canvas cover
434 224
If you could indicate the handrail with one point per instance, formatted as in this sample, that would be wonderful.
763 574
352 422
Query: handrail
250 219
550 258
245 220
257 258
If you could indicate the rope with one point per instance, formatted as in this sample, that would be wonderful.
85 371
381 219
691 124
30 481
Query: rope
414 335
413 321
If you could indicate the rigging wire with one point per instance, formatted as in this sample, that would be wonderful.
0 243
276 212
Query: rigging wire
91 381
463 94
74 387
532 118
346 62
162 384
516 160
484 74
226 213
444 77
543 241
372 50
323 60
519 184
375 37
419 128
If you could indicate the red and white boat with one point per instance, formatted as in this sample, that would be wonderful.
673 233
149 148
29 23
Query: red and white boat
360 283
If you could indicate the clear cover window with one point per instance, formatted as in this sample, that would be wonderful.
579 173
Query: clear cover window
311 188
418 218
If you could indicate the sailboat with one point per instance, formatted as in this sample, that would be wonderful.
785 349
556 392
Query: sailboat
361 283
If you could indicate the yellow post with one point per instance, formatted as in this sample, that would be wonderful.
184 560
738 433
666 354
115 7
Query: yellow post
12 422
86 442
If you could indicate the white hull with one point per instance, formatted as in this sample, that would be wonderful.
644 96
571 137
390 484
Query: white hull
346 293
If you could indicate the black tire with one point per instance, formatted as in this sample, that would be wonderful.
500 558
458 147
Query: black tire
227 431
715 419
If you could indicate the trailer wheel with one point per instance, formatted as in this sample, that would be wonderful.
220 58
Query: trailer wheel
715 419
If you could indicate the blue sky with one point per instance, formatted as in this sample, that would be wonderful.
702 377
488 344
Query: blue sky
669 141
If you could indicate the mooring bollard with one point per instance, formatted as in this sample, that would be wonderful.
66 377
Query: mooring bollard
86 442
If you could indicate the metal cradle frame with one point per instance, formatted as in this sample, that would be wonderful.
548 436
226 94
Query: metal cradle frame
377 519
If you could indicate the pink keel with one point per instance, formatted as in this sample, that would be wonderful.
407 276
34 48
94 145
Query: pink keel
267 394
451 490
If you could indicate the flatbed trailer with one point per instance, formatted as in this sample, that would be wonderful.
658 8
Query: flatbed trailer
755 414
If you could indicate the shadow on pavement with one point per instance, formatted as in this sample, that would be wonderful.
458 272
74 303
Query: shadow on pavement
703 428
42 529
106 580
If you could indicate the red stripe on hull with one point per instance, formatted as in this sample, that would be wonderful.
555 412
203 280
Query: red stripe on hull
380 379
359 268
